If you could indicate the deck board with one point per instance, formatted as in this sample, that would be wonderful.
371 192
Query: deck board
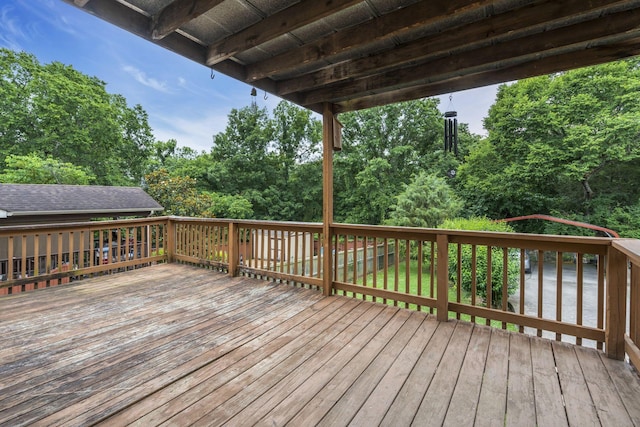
176 345
548 394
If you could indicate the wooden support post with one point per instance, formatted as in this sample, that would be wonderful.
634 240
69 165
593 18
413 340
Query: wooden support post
616 288
442 302
234 249
327 197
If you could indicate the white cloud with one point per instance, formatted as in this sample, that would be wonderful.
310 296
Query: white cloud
141 77
10 29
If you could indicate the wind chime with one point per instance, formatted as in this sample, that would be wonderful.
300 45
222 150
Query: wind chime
451 129
254 93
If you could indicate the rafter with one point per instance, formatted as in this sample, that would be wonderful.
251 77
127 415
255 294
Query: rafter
612 28
178 13
496 29
410 49
387 26
563 62
280 23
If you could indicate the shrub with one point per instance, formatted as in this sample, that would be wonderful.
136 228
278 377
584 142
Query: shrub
497 261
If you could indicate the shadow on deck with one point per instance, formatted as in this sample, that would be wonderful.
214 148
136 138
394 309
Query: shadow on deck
182 345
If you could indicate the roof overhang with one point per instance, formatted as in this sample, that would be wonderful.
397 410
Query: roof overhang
357 54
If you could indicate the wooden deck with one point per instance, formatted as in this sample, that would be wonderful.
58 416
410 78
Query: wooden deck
178 345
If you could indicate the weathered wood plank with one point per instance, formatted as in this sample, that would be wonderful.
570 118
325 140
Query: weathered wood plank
354 397
99 328
520 398
123 333
159 406
257 409
346 374
123 367
176 344
307 392
255 383
548 394
625 379
466 394
268 354
492 403
170 361
578 402
380 400
407 401
436 401
608 403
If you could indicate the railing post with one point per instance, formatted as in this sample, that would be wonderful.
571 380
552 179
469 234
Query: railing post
234 248
442 302
170 242
616 288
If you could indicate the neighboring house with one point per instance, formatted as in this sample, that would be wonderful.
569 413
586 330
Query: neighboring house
26 204
49 203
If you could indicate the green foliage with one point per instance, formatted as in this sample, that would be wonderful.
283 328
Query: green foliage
178 195
32 169
565 142
426 202
482 263
57 112
228 206
384 148
270 161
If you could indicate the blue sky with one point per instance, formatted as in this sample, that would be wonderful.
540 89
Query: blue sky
182 100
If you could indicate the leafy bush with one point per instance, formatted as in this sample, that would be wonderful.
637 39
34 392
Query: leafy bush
497 262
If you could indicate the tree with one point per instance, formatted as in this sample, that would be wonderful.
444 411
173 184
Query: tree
383 148
264 160
426 202
33 169
55 111
228 206
178 195
566 142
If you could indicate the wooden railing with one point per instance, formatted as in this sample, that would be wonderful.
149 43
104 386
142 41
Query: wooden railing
446 271
40 256
565 288
289 252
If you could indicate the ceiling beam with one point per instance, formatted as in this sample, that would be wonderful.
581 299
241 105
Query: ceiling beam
611 28
385 27
178 13
139 24
531 19
594 56
279 23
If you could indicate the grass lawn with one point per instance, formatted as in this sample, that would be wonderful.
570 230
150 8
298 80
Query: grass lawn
426 287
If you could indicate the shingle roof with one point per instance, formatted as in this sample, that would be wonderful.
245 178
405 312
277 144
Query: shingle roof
47 199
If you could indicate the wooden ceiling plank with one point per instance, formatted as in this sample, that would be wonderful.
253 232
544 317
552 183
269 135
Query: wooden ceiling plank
116 14
533 18
574 37
559 63
178 13
385 27
296 16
